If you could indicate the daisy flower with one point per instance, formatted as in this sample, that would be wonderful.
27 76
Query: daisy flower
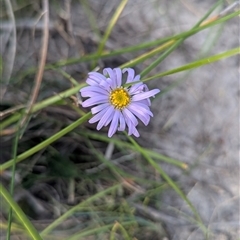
113 103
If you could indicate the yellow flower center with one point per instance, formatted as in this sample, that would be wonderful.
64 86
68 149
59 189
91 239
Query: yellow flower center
119 98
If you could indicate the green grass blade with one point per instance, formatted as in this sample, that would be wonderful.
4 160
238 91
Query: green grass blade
9 121
45 143
91 18
169 181
97 230
16 228
208 14
66 75
119 226
45 103
125 144
161 58
105 161
175 44
74 90
15 147
22 217
141 45
145 56
112 23
209 43
71 211
52 100
128 49
196 64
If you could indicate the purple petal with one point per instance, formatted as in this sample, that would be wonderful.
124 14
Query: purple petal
118 73
108 121
99 108
128 115
112 76
98 116
122 123
114 123
109 73
145 102
91 94
99 92
108 115
137 78
94 78
91 90
140 114
131 73
144 95
95 100
135 132
112 82
146 88
131 128
136 88
141 107
106 84
91 82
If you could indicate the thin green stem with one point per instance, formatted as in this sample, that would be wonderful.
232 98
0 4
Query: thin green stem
128 49
102 158
169 181
9 121
45 103
66 75
45 143
97 230
207 14
71 211
162 57
198 63
111 24
69 92
125 144
22 217
15 147
119 226
192 65
176 44
91 18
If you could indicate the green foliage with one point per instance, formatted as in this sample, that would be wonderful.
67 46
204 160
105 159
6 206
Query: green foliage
103 188
61 166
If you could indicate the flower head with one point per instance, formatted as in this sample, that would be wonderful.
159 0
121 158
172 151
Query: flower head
115 104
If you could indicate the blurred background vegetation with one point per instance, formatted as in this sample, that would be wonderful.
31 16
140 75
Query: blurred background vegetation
65 180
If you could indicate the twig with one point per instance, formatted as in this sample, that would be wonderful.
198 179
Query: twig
39 74
229 8
11 110
222 13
